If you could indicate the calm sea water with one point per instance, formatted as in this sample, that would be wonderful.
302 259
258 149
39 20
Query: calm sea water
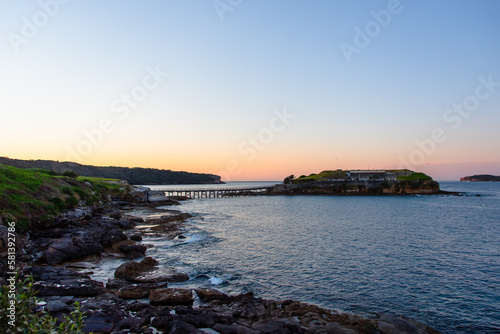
433 258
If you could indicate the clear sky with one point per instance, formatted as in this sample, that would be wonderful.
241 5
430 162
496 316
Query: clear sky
253 89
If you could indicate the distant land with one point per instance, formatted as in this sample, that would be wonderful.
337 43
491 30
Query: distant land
360 182
481 178
146 176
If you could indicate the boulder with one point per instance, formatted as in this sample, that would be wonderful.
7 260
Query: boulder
336 328
112 236
138 291
232 329
133 251
271 327
130 271
181 327
52 281
171 297
207 294
136 237
127 323
67 248
390 323
198 319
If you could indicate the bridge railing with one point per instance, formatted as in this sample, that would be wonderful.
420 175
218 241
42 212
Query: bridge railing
214 189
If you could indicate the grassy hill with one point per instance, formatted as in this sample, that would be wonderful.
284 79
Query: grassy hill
131 175
327 175
35 195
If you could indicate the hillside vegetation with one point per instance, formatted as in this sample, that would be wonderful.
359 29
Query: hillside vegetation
481 178
328 175
36 195
131 175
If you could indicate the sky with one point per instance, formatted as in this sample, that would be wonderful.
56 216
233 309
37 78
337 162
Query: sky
253 90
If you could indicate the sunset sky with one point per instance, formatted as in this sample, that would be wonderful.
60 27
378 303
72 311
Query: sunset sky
253 89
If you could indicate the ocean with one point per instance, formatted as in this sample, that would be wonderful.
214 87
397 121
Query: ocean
432 258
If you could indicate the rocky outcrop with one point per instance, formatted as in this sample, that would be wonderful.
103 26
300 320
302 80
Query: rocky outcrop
171 297
79 240
54 281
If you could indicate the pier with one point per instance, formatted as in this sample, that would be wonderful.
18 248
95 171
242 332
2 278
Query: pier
216 192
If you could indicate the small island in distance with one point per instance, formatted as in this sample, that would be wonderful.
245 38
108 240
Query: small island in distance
360 182
481 178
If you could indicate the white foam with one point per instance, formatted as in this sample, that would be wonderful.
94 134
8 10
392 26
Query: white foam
195 238
216 280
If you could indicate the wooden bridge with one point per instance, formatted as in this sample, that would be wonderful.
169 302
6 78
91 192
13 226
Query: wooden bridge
216 192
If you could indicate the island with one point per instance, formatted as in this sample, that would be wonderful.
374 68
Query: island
481 178
359 182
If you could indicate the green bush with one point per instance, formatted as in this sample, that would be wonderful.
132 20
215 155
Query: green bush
71 202
59 204
26 319
70 173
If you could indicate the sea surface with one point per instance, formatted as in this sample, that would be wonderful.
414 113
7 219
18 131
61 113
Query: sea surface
433 258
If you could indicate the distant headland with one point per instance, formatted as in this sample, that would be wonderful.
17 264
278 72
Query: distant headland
149 176
360 182
481 178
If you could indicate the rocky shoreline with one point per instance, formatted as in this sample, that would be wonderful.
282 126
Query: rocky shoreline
139 298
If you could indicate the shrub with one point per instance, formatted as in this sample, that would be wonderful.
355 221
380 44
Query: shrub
59 204
71 202
70 173
29 321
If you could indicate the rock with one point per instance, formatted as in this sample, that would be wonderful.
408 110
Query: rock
127 323
138 291
181 327
133 251
137 194
113 236
159 275
54 306
207 294
136 237
271 327
145 272
115 283
76 287
67 248
232 329
162 321
171 297
50 281
392 324
127 224
198 319
131 270
157 197
97 324
336 328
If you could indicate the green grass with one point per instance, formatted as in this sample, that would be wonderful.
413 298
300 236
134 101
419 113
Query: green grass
329 174
414 177
323 176
35 195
